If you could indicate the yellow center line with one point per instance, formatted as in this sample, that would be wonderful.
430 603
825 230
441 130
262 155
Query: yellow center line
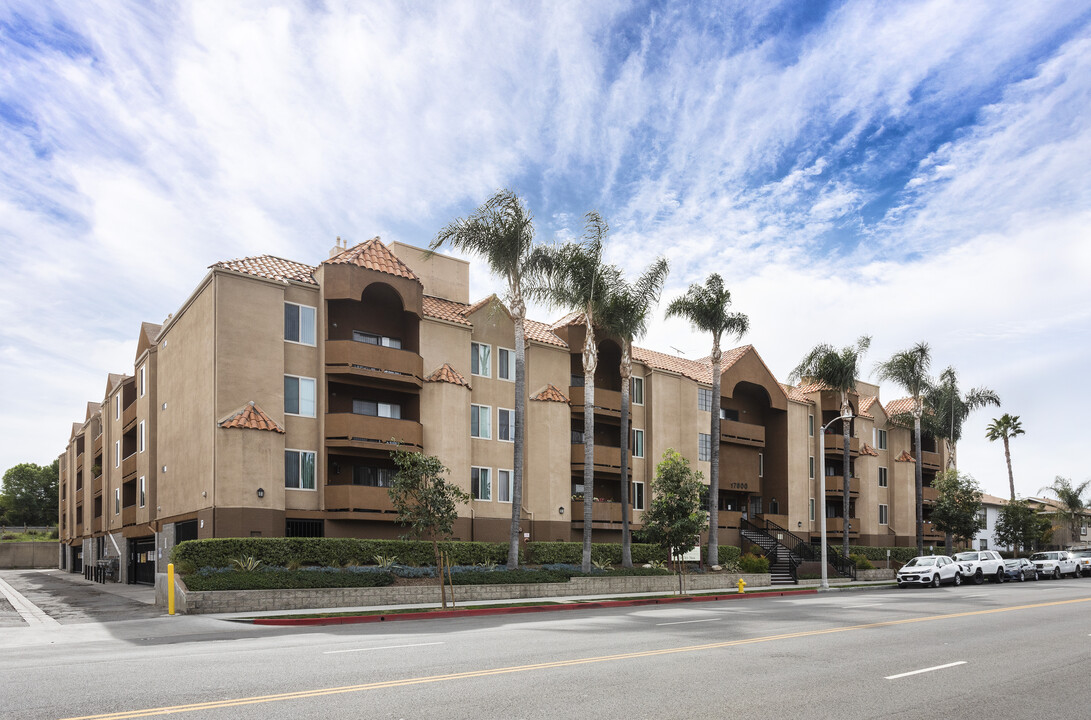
303 694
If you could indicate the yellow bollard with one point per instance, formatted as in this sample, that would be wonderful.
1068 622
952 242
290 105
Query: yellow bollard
742 584
170 588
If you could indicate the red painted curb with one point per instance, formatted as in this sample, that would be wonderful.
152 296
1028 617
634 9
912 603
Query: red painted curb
436 614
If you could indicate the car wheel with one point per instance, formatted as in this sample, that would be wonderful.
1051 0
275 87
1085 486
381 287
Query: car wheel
1037 576
1022 576
999 576
978 577
935 580
958 579
1056 573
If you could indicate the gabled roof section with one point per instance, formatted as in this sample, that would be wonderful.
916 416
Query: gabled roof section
570 319
250 417
549 393
483 302
795 395
540 332
671 363
868 450
866 403
373 255
93 408
447 374
271 267
148 333
899 407
905 457
77 428
113 380
448 310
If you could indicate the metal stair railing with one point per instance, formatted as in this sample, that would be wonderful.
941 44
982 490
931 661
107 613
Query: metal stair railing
771 546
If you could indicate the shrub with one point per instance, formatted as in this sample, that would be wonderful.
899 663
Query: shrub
752 564
878 554
548 553
861 562
330 552
280 579
477 576
729 555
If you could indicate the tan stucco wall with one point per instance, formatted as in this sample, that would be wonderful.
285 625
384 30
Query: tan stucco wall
442 275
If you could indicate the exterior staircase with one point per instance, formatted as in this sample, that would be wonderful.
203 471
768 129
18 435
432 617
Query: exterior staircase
784 559
781 565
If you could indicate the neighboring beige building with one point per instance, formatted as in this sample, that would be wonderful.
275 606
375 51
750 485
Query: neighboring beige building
267 404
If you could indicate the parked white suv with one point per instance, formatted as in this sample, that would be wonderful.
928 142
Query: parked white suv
1083 561
1054 564
977 565
929 570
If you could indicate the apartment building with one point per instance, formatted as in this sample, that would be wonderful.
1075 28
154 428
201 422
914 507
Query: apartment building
267 405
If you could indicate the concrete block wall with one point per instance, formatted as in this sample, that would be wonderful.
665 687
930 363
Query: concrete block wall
28 555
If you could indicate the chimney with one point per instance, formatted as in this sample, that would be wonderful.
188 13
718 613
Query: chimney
337 246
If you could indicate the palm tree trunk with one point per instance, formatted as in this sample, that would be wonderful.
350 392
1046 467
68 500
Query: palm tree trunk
626 373
590 361
714 459
518 316
847 457
919 482
1011 478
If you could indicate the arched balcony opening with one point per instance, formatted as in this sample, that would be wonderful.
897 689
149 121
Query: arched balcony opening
377 318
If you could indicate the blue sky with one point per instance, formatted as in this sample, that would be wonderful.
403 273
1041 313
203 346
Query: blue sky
913 171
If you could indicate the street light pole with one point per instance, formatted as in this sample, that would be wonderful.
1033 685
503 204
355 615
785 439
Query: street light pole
822 495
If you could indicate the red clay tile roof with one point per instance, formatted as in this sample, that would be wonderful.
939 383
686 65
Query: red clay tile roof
866 401
569 319
270 266
899 406
795 395
542 333
448 310
250 417
549 393
905 457
868 450
446 373
482 303
698 370
373 255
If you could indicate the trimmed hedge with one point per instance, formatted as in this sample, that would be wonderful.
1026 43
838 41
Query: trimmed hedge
219 552
901 554
508 577
729 555
571 553
286 579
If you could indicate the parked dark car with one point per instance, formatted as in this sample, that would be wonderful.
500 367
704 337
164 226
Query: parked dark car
1020 569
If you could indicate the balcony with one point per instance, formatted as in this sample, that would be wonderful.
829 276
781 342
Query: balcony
932 533
930 494
358 497
79 463
604 515
835 445
835 484
607 402
930 460
369 432
96 486
128 515
128 466
837 525
128 416
607 459
364 360
740 433
97 445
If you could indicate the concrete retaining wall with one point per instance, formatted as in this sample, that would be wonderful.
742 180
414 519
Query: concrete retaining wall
877 574
223 601
28 555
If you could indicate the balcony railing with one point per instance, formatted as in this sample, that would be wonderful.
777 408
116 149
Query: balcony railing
128 415
128 515
929 494
837 525
367 431
98 445
835 484
605 514
740 433
79 462
358 497
931 532
930 460
128 465
835 445
607 402
375 361
607 459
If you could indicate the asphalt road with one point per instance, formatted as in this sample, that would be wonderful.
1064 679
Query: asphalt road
1010 651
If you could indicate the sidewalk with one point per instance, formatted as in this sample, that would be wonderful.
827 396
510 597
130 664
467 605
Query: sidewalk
139 593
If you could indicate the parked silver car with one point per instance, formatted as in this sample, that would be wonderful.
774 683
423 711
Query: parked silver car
1020 569
930 570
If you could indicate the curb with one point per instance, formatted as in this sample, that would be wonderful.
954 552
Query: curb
436 614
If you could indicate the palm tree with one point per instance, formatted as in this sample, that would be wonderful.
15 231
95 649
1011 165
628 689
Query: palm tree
909 368
1005 428
626 316
573 276
706 307
837 370
502 231
1072 505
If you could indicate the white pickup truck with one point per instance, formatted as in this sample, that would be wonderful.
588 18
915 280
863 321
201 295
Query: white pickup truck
977 565
1054 564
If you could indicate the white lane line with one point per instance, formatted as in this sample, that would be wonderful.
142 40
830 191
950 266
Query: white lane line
974 596
686 622
918 672
31 613
851 607
383 647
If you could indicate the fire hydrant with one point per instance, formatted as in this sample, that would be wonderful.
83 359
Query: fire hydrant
742 584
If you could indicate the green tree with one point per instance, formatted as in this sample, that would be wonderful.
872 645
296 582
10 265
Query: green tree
1018 526
502 231
707 308
425 502
909 368
29 494
838 370
573 276
626 316
1005 428
1070 504
675 519
958 504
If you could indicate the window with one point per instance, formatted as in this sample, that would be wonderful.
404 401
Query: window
704 399
638 443
117 453
729 414
372 476
810 425
638 496
377 409
880 439
882 477
704 447
117 406
480 359
373 339
504 485
480 483
505 364
882 515
117 501
143 492
140 436
298 396
761 466
810 510
984 544
638 391
479 422
505 425
755 505
143 386
299 323
810 465
299 469
303 528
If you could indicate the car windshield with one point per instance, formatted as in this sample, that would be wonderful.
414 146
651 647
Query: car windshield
1041 556
920 561
1013 563
964 556
1083 553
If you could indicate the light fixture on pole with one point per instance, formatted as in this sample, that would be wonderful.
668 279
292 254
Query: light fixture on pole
822 494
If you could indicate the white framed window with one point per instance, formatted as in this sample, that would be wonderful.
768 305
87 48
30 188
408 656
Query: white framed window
882 477
117 501
143 491
505 488
883 519
117 453
810 466
880 439
984 544
761 465
377 409
299 396
299 469
810 510
480 359
373 339
638 443
638 495
704 447
117 406
480 426
638 391
480 483
704 399
299 323
505 364
143 378
140 437
810 425
505 425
